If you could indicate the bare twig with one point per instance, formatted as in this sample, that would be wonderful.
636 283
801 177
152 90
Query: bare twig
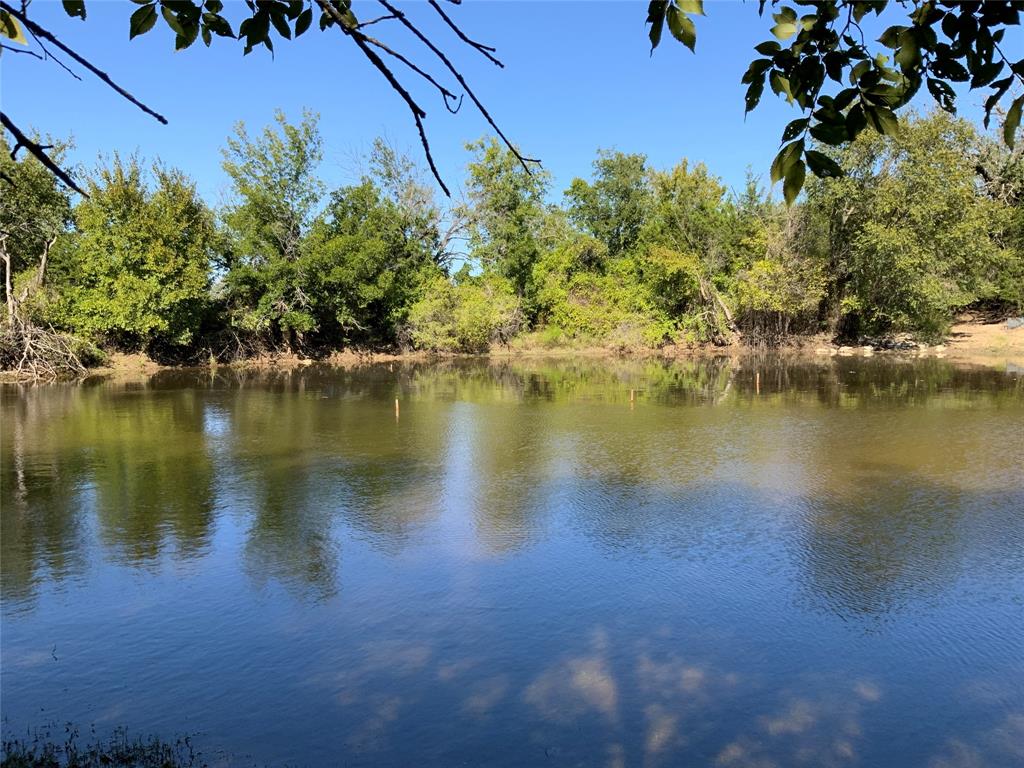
362 24
418 112
38 151
54 59
40 32
445 93
524 161
26 51
486 50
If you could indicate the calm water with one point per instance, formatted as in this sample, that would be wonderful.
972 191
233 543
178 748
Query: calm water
525 568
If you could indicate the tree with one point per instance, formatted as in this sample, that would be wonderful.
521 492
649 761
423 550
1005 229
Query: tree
364 265
34 211
276 192
911 237
506 214
136 271
843 85
613 207
687 244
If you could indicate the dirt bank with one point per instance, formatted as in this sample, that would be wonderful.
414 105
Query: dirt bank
991 344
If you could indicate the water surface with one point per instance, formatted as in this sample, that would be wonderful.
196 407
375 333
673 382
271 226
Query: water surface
749 564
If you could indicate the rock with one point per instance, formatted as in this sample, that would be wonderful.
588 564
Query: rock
1015 322
867 351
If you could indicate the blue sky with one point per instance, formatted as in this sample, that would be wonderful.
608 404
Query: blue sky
578 76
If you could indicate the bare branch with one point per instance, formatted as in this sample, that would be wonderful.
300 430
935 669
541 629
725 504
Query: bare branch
445 93
486 50
524 161
12 49
38 151
54 59
44 34
373 21
417 111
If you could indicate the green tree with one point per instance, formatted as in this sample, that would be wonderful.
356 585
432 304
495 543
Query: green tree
34 211
363 266
276 192
613 207
688 249
136 271
506 215
911 236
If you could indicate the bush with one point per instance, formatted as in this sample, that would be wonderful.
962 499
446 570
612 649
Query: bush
464 316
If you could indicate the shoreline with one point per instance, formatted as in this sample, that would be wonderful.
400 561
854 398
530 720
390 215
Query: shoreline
991 345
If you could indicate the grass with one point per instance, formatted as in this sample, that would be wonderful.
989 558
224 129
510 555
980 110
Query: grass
45 749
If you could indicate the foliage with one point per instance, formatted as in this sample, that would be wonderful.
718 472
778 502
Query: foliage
137 268
468 314
505 215
363 267
275 194
781 290
923 224
588 298
614 206
842 85
34 208
911 236
689 246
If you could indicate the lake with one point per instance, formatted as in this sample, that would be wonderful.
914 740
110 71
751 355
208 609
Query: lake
583 563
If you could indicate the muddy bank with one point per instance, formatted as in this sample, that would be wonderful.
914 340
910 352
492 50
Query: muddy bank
989 344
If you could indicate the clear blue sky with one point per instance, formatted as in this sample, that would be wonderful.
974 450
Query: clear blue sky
578 76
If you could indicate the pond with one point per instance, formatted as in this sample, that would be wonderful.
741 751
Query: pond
605 563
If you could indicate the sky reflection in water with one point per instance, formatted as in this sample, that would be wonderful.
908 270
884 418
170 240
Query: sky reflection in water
825 567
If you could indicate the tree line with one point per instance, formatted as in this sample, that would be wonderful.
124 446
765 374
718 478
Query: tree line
923 223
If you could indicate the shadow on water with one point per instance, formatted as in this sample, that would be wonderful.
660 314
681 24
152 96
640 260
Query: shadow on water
740 563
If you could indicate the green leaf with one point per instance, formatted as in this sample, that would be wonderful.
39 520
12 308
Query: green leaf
882 120
785 23
788 155
794 181
74 8
281 25
11 29
172 21
656 18
780 85
1012 121
303 22
985 74
833 135
794 129
214 6
943 94
784 30
217 24
682 28
692 6
891 37
822 166
999 88
141 21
